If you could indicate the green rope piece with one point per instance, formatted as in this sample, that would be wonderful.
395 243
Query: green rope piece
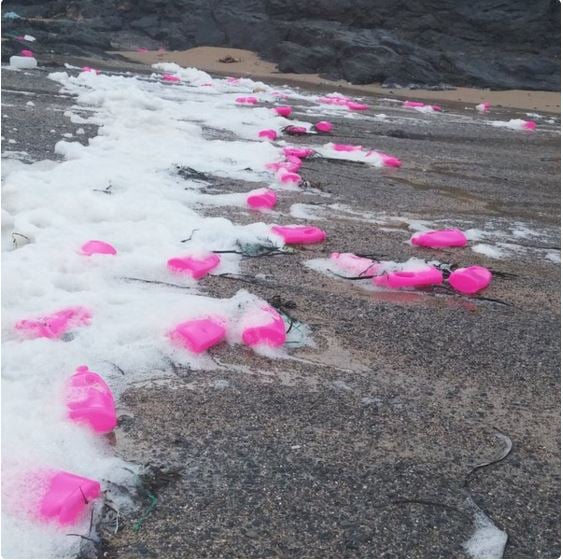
148 511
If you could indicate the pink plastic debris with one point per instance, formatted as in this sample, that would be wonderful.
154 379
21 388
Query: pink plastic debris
413 104
410 279
67 497
440 238
436 108
354 265
346 148
301 153
335 100
355 106
280 94
232 80
386 159
267 327
26 52
529 125
268 133
56 324
285 176
484 107
198 335
295 130
302 235
262 199
324 126
90 401
97 247
171 78
470 280
246 100
88 69
196 267
283 111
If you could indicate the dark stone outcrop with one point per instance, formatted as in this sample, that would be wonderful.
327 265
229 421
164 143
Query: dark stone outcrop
499 44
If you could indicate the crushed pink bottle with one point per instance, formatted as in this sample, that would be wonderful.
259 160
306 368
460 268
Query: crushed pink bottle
296 130
90 401
324 126
283 111
470 280
67 497
94 247
440 238
198 335
267 327
410 279
301 153
56 324
302 235
196 267
268 133
262 199
354 265
284 176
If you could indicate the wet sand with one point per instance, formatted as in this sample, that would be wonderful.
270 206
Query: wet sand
251 66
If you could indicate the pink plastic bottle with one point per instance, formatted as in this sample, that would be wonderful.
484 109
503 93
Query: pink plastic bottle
293 164
436 108
26 52
288 177
413 104
246 100
346 148
283 111
354 265
262 199
88 69
484 107
268 133
171 78
302 235
386 159
298 152
97 247
354 106
198 335
56 324
470 280
267 328
440 238
296 130
196 267
529 125
324 126
89 400
67 497
410 279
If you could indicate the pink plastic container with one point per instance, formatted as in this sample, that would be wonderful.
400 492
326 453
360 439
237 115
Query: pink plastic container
267 328
335 100
296 130
302 235
413 104
90 401
26 52
198 335
283 111
97 248
484 107
440 238
410 279
67 497
56 324
529 125
436 108
354 265
171 78
262 199
88 69
386 159
301 153
354 106
196 267
288 177
246 100
346 148
268 133
470 280
324 126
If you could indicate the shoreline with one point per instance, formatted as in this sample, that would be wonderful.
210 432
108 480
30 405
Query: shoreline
249 65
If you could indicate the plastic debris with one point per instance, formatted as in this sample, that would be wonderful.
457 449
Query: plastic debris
97 247
90 401
346 148
88 69
354 106
246 100
283 111
56 324
268 133
198 335
324 126
295 130
301 153
419 105
265 327
440 238
354 265
529 125
484 107
67 497
196 267
387 160
470 280
24 62
302 235
429 276
262 199
285 176
171 78
27 53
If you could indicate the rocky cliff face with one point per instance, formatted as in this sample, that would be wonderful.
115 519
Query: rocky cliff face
487 43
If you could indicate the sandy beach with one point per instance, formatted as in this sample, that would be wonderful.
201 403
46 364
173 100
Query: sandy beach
249 65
